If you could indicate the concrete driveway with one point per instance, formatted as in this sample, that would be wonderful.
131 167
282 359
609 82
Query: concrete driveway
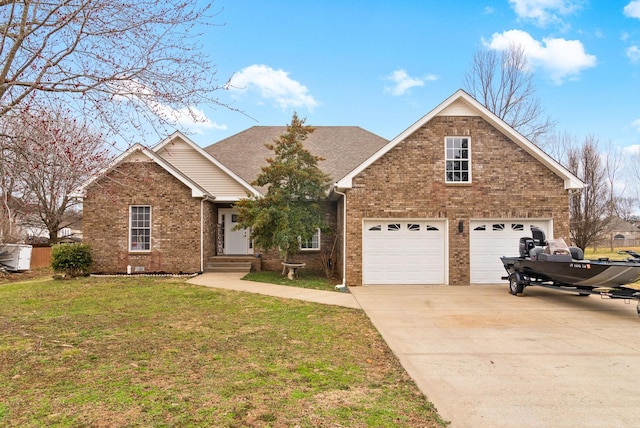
486 358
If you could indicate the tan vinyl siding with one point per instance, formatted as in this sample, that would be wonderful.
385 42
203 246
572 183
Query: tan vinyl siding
202 171
458 108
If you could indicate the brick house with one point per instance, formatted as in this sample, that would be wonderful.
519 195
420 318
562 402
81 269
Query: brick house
438 204
171 208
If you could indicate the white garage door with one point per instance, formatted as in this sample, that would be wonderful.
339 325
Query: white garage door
492 239
404 252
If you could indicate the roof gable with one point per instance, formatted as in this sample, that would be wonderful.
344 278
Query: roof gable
204 169
139 153
463 104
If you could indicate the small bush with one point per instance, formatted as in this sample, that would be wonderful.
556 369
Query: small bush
71 259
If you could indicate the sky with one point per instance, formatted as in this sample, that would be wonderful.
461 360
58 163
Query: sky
382 65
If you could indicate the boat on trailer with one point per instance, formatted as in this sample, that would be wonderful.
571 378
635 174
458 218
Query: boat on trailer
553 264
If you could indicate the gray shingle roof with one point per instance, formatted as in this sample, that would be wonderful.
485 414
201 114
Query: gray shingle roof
342 147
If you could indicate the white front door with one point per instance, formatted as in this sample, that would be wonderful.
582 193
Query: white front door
236 242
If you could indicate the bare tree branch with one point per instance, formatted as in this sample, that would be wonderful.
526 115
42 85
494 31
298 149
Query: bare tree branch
589 206
123 64
502 82
51 155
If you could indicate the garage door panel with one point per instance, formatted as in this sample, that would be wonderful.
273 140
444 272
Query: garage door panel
491 239
403 252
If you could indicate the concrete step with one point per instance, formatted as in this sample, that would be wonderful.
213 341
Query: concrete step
227 266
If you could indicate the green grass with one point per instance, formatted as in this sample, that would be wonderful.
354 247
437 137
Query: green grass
304 280
160 352
603 252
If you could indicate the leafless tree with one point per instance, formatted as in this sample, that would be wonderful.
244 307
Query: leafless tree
590 206
634 173
502 82
625 208
558 144
51 155
613 161
125 65
9 187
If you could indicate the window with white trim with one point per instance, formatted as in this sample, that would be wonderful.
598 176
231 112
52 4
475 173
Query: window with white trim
458 159
311 244
140 228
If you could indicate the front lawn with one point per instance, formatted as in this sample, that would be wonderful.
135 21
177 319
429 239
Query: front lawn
160 352
304 280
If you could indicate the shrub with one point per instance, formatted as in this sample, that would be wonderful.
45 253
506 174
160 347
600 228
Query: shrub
71 259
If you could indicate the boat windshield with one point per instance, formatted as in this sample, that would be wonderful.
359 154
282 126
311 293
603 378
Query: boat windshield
557 246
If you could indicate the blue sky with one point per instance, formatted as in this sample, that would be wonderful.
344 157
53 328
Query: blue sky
382 65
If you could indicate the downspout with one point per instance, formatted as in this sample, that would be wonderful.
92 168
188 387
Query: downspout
343 286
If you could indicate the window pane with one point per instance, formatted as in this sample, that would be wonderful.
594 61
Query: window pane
457 159
140 228
311 244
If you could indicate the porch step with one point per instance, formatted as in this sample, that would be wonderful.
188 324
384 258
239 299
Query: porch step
228 264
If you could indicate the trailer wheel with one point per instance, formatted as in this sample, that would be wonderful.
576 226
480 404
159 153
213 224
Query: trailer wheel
515 285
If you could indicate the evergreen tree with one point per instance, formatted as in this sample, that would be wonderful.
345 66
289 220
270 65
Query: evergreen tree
291 210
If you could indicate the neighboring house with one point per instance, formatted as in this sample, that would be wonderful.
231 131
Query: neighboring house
438 204
32 231
620 233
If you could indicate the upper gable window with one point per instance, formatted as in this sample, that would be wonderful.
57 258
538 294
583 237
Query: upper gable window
458 159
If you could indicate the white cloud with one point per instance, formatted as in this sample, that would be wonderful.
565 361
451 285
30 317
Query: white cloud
633 53
403 82
631 150
636 125
275 85
632 10
561 59
190 118
195 120
545 12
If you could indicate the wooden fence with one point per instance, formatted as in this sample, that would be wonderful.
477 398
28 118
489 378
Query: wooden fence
40 257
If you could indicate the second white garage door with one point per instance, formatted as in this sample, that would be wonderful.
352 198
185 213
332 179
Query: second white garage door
492 239
404 252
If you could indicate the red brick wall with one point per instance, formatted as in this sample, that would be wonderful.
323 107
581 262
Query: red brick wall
271 259
175 216
408 182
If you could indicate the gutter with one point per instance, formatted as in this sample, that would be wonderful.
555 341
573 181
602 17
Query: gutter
343 286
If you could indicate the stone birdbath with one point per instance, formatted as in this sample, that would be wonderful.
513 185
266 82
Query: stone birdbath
293 269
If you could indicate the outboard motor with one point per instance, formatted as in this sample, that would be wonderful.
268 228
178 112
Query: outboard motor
539 238
526 244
